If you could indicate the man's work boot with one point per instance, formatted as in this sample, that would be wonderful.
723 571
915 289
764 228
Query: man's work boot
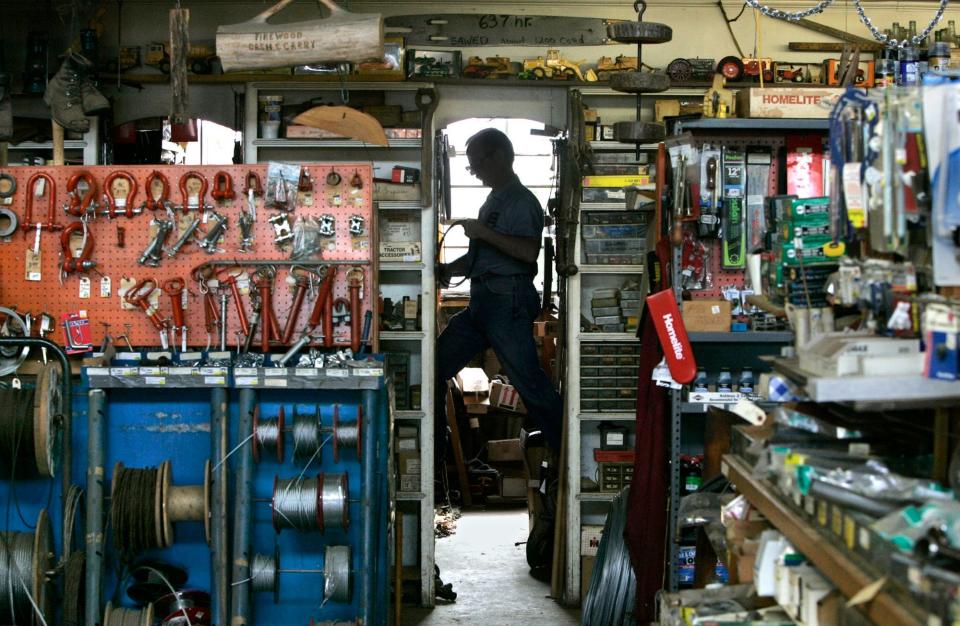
64 94
6 108
94 102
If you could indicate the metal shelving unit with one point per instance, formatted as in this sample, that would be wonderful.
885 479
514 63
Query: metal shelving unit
417 275
602 417
88 147
739 124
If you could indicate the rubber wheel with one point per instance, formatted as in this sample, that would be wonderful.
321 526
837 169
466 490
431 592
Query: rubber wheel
731 68
538 72
640 82
680 70
639 32
638 132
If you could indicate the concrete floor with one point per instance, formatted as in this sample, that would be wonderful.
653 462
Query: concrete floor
491 577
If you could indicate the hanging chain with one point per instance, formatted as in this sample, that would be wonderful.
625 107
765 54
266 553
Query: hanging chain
791 16
889 41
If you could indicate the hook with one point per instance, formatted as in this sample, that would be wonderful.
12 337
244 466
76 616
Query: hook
640 7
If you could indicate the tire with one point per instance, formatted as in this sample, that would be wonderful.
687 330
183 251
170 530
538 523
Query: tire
200 66
680 70
538 72
639 32
638 132
639 82
731 68
165 66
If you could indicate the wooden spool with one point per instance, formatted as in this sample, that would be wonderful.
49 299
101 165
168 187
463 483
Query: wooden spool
344 36
46 430
43 555
188 503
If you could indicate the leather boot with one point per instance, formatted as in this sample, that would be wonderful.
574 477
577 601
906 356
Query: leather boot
94 102
64 94
6 108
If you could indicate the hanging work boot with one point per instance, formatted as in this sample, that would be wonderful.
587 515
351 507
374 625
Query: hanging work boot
6 108
94 102
65 96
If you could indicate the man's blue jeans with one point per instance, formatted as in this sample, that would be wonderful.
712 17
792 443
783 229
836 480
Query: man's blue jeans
500 315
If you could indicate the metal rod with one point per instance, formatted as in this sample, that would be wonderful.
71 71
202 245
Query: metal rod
278 263
95 455
223 320
66 410
368 506
242 508
219 556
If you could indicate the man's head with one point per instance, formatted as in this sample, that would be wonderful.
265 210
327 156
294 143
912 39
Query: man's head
490 157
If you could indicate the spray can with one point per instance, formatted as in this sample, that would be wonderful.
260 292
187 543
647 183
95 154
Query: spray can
938 59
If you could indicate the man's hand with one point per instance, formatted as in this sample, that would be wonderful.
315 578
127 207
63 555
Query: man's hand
474 229
444 274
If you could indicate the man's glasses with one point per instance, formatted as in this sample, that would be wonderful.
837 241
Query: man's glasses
472 168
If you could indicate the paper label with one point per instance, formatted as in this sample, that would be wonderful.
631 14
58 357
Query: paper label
32 272
247 381
246 371
126 284
84 287
105 287
149 371
155 380
123 371
368 371
338 373
853 195
98 371
311 372
214 380
275 382
275 372
213 371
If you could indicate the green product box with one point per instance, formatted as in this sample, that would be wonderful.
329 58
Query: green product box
809 209
812 251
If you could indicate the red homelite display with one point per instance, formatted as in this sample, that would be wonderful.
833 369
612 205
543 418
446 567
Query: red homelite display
673 336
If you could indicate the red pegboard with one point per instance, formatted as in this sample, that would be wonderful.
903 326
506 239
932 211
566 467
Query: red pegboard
723 278
50 296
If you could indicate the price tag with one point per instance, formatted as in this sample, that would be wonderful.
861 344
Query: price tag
106 287
246 371
126 284
275 382
247 381
275 372
98 371
338 373
311 372
213 371
306 198
33 266
123 371
149 371
368 371
84 287
214 380
337 199
155 380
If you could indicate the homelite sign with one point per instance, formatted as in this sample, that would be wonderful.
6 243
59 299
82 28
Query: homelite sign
787 102
672 335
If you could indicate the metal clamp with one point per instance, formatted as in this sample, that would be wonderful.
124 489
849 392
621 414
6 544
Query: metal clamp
357 225
328 225
151 256
209 241
186 236
281 228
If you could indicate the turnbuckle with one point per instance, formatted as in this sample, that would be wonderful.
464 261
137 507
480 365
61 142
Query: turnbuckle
209 241
151 256
186 236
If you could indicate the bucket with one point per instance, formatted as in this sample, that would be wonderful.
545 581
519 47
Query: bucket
270 115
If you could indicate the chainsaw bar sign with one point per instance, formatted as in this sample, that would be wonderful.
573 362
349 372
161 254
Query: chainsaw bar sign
477 30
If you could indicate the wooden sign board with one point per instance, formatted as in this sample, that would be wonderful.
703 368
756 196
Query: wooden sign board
477 30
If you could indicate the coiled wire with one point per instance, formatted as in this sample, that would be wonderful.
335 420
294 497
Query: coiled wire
307 438
308 504
268 437
613 586
17 452
132 510
119 616
264 574
346 434
336 574
16 577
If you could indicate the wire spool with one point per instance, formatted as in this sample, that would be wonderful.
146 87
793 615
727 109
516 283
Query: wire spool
119 616
191 605
30 427
307 437
346 434
25 559
265 573
12 358
145 504
337 579
74 585
308 504
268 434
8 222
153 580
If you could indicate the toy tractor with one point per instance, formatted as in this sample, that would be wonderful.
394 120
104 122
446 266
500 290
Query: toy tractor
491 67
200 57
735 69
552 67
686 70
127 59
791 74
607 66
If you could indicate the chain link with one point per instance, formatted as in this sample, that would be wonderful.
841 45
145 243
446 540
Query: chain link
791 16
891 42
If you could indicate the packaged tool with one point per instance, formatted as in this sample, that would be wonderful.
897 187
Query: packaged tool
732 210
709 221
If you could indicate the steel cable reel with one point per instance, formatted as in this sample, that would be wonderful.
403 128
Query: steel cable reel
9 361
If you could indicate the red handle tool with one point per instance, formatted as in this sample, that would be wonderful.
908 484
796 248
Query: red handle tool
223 187
139 295
201 200
174 288
354 282
79 206
51 192
323 307
161 201
673 335
268 317
227 278
125 204
211 315
72 264
298 295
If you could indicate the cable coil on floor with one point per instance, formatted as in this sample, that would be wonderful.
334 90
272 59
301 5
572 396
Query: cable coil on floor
308 504
25 559
145 505
30 427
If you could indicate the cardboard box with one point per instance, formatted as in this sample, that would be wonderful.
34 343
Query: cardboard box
590 535
402 252
503 396
504 450
405 444
586 574
706 315
392 192
409 483
408 463
787 102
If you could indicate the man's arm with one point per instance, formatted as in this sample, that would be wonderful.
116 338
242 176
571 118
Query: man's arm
459 267
526 249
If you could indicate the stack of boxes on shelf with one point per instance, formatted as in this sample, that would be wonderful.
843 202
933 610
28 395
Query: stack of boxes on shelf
408 458
614 237
406 397
605 306
614 457
806 256
608 376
